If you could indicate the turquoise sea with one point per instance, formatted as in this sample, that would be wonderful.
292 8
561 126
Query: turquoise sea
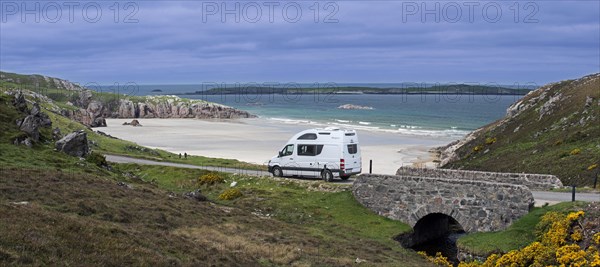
423 115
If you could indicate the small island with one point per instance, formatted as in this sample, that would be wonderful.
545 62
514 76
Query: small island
156 91
351 106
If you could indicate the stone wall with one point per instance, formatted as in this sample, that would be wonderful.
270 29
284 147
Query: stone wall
475 205
532 181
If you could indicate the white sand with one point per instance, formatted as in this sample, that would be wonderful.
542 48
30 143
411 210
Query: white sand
257 140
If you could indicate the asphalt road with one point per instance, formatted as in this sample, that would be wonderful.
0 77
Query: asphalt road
540 197
122 159
553 197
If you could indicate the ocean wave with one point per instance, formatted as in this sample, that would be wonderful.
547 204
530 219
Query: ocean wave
408 130
364 123
293 121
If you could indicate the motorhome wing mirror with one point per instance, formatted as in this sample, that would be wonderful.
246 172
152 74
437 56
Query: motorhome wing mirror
280 154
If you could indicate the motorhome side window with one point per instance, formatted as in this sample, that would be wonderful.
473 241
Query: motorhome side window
352 149
288 150
309 150
308 136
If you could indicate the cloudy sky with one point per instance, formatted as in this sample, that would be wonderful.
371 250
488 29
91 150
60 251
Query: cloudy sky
183 42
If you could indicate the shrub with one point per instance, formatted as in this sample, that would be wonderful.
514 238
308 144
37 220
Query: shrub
591 167
490 140
437 260
230 194
477 148
575 151
97 159
558 234
211 178
558 142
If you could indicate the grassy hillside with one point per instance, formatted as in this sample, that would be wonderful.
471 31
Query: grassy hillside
553 130
63 210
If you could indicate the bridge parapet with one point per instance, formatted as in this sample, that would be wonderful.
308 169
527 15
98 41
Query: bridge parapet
478 206
532 181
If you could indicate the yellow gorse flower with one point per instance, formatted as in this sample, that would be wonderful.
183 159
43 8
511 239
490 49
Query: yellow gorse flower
554 247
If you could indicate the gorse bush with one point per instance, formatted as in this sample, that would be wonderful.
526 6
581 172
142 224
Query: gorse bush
210 178
438 259
559 240
575 151
230 194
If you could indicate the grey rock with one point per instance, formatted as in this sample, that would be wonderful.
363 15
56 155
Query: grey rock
26 141
133 123
85 97
74 144
124 185
35 110
99 122
30 126
56 134
20 103
197 195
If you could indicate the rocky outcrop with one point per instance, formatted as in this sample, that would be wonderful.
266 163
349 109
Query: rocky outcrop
175 107
74 144
29 125
19 102
93 112
351 106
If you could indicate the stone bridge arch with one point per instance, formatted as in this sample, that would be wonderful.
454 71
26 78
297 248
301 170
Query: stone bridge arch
477 206
466 224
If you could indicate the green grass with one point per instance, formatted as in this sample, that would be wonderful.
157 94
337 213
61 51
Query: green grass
516 236
329 215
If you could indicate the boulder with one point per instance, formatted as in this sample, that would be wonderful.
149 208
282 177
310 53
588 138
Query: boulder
41 117
30 126
95 112
133 123
74 144
196 195
26 141
98 122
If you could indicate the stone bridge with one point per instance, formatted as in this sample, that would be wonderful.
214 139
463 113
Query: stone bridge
434 205
540 182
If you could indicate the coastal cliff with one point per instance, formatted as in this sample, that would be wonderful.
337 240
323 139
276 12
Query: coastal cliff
91 108
552 130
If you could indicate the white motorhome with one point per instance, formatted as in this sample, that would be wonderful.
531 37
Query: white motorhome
325 153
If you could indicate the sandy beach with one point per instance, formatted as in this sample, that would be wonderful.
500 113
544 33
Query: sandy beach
257 140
